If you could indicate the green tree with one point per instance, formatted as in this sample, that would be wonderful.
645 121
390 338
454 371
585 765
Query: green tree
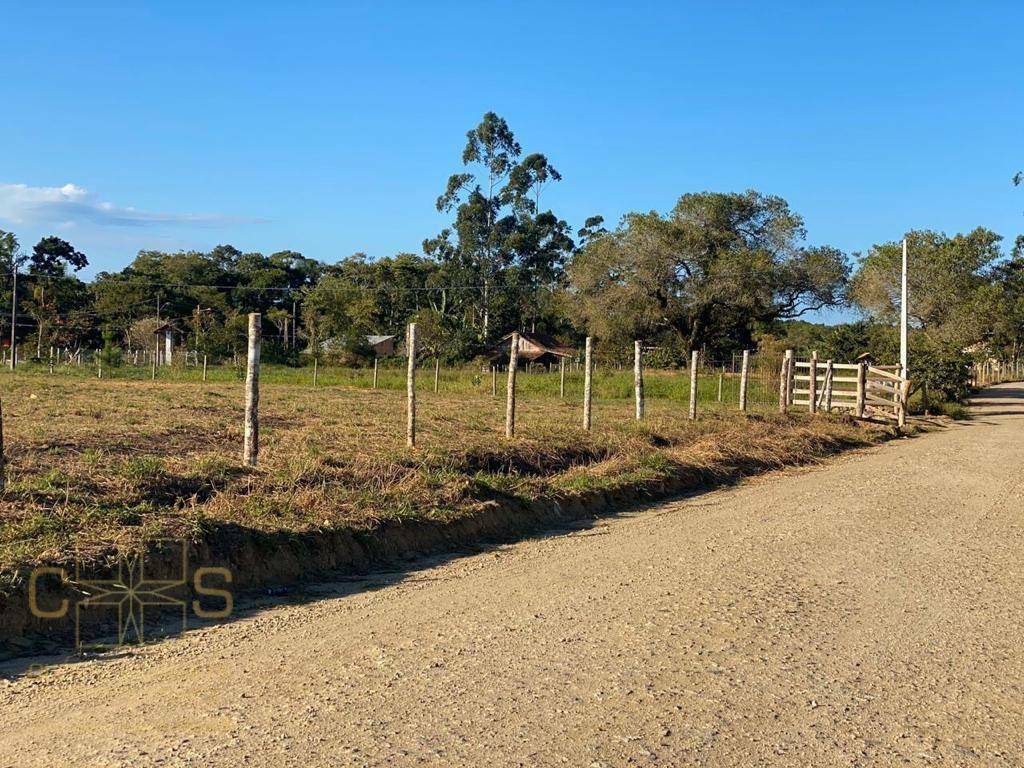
330 314
502 250
1000 304
10 257
957 292
711 271
47 267
945 282
52 256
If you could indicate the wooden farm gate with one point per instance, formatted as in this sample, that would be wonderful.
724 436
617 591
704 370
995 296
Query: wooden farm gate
867 391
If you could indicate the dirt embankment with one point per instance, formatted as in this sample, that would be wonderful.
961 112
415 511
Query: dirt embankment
538 489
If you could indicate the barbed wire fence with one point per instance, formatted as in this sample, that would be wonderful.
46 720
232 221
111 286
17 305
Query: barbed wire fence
748 381
719 380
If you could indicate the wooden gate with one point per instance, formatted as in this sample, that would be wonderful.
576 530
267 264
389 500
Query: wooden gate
868 391
885 393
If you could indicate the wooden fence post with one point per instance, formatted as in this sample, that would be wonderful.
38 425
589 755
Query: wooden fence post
316 366
561 377
410 387
510 400
828 386
588 384
204 367
812 384
902 387
826 394
694 358
494 381
721 379
861 388
638 379
374 371
744 374
790 376
251 445
784 383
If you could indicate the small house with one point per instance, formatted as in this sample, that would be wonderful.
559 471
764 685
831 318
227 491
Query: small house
534 349
169 333
383 346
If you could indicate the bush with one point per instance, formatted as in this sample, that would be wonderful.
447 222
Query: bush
111 355
940 371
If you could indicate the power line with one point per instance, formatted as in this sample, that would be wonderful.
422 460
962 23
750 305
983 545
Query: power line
339 289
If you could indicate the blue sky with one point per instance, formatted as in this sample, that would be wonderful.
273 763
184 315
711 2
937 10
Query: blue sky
330 128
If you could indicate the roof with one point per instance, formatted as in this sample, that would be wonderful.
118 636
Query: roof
169 325
335 343
546 343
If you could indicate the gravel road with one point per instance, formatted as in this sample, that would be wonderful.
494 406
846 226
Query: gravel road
863 612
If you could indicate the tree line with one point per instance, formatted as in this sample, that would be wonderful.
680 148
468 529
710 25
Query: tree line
719 272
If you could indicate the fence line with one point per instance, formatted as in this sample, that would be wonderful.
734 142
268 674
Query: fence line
994 371
749 381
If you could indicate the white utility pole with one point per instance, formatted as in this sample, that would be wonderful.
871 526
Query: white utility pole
14 311
903 313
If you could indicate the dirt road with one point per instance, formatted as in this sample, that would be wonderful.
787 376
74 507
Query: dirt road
867 612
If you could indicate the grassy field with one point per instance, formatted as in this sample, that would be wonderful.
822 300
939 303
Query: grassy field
609 382
101 464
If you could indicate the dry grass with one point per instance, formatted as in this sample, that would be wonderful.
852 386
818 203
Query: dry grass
95 465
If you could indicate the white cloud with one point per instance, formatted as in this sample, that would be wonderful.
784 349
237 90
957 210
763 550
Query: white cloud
70 205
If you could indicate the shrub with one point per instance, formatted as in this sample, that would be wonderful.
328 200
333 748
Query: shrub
111 355
939 370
